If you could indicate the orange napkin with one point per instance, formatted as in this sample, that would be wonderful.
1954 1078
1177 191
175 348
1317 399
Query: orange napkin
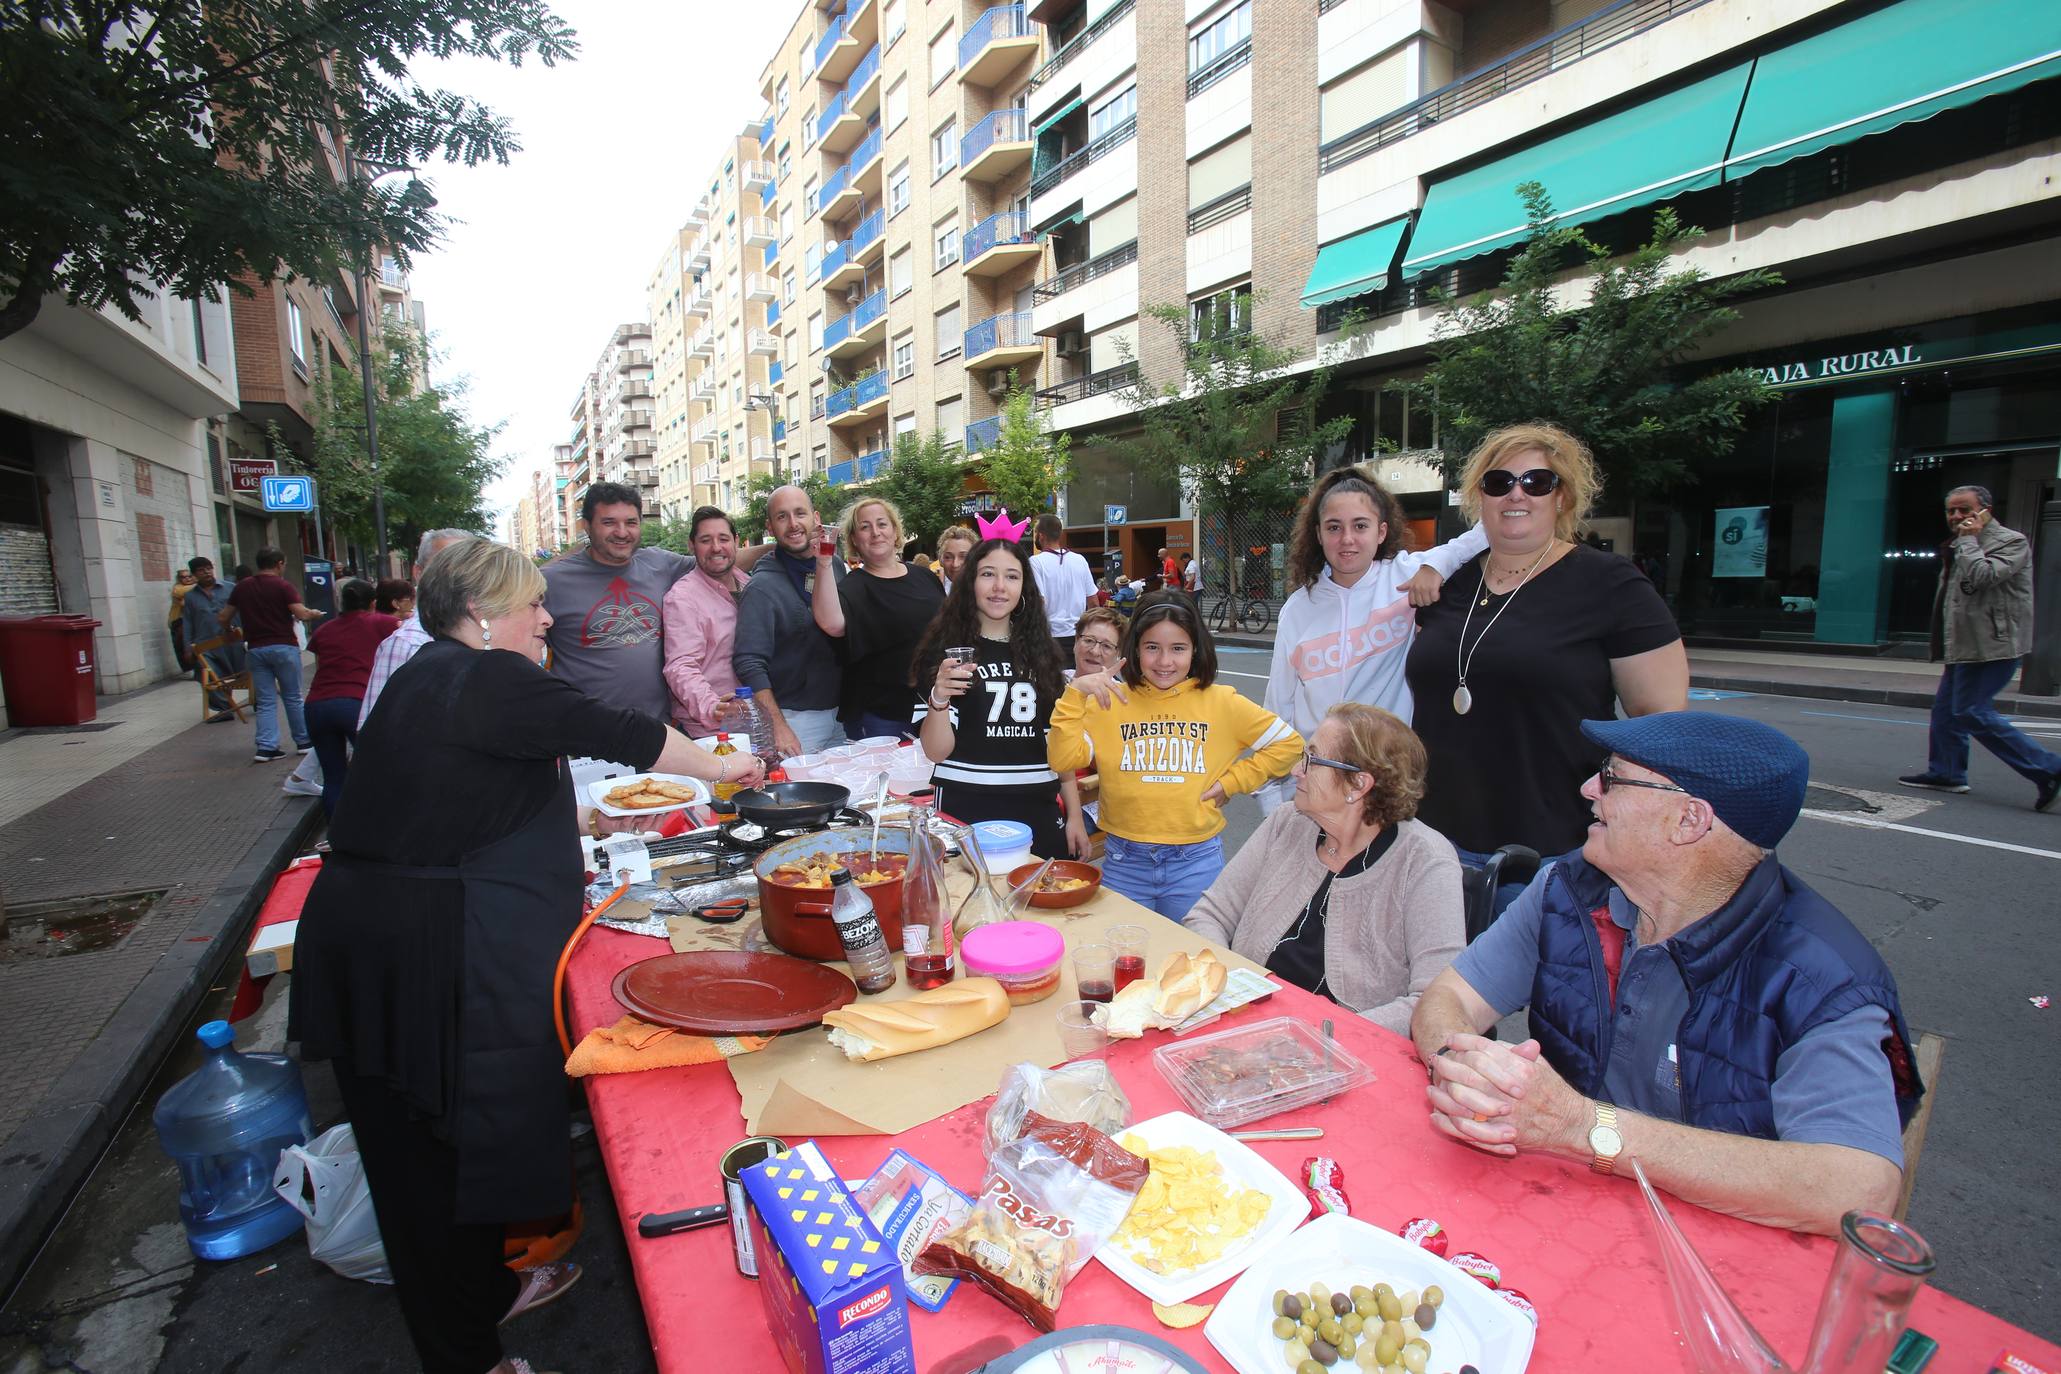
631 1045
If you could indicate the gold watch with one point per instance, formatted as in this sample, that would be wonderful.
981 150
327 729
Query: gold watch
1606 1143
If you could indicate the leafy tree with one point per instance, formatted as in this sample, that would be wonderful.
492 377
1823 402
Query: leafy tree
1237 429
751 521
1605 369
195 143
434 464
1027 463
924 480
674 534
829 498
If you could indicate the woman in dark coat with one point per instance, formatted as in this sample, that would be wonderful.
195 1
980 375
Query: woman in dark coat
425 953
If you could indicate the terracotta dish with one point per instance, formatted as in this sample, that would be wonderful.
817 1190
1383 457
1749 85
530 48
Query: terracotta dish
728 993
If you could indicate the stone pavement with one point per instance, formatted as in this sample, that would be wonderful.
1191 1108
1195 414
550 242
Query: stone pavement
157 803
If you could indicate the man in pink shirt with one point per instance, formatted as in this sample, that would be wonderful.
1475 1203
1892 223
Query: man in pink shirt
699 622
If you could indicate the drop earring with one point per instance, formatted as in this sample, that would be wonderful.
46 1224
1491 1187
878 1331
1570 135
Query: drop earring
486 635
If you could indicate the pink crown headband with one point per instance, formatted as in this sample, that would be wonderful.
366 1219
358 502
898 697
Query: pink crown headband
1001 527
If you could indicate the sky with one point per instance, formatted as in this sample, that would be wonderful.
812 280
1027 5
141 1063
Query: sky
547 255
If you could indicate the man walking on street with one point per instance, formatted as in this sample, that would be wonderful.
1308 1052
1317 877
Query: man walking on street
268 605
700 617
1981 626
789 664
201 618
1064 581
400 646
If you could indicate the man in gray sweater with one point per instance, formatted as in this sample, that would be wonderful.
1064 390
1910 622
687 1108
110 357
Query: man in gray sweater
789 664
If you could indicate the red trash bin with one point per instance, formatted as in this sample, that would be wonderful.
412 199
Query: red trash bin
46 667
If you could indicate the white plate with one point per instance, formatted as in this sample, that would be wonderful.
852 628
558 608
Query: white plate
601 787
1474 1325
1243 1168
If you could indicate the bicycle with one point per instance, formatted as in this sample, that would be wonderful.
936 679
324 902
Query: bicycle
1249 613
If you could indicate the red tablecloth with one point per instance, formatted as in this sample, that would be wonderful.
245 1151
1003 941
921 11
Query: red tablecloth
1579 1246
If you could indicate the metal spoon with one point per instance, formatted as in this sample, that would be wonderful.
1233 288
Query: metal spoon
879 805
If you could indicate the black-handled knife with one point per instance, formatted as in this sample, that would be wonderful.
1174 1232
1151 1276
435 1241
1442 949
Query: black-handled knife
652 1225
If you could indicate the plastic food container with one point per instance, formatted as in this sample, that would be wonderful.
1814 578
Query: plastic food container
1242 1075
1023 956
1004 844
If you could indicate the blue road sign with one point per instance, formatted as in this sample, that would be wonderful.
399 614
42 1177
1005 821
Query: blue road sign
1116 515
289 493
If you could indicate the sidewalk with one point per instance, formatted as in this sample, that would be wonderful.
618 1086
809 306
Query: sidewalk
1828 677
157 802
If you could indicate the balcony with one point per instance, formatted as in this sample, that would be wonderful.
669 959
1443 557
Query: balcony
698 304
636 419
861 401
759 343
758 288
699 259
838 125
772 313
1003 341
859 175
996 44
998 244
845 264
837 52
756 231
852 334
1093 384
997 146
772 252
636 389
704 431
766 128
636 448
756 178
774 372
705 472
702 345
761 450
982 435
1051 177
703 389
841 473
391 278
1081 273
832 187
1057 62
627 358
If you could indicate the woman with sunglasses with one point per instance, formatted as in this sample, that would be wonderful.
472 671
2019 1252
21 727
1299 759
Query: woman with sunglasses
1537 635
1344 893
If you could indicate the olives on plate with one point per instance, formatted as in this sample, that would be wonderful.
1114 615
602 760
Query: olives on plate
1426 1316
1328 1330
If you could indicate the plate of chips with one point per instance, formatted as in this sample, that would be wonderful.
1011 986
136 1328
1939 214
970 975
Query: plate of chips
1210 1207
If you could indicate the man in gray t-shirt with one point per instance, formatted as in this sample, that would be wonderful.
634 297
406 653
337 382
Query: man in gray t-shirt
605 602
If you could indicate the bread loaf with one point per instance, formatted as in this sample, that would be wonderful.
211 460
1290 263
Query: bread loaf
1186 984
867 1031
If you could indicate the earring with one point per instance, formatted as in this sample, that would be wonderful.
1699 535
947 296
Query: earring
486 635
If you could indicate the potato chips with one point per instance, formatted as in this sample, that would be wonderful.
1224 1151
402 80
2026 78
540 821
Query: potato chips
1188 1214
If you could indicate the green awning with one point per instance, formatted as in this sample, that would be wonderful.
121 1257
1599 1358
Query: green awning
1038 129
1354 266
1903 63
1663 147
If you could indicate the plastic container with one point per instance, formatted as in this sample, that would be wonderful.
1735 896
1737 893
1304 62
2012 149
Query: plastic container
1256 1071
46 669
224 1126
1003 844
756 728
1023 956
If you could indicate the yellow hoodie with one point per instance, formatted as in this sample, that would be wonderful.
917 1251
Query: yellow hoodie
1158 753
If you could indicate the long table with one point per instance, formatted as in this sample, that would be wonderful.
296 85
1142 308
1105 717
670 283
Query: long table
1581 1247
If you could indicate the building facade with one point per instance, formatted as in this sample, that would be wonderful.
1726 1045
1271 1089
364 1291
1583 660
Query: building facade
626 452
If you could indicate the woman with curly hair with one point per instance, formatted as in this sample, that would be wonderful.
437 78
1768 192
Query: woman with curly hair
1345 893
983 720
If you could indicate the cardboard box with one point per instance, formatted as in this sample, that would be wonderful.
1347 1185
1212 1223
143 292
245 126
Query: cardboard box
832 1288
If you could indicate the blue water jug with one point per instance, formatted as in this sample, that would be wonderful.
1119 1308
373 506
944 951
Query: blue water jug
224 1126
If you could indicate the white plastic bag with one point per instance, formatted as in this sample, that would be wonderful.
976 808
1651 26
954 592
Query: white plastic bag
324 1180
1083 1091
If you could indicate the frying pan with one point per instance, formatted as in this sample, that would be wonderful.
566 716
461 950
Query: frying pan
788 805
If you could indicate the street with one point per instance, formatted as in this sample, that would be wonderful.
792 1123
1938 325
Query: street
1955 891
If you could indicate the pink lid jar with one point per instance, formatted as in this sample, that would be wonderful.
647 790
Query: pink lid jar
1023 956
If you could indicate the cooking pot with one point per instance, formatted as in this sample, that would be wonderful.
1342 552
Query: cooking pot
797 919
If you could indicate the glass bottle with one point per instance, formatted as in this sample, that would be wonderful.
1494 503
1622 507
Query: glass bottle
928 943
858 930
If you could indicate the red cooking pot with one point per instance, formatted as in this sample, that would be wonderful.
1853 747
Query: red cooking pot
797 919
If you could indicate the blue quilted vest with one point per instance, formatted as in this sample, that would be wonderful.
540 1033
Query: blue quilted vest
1773 962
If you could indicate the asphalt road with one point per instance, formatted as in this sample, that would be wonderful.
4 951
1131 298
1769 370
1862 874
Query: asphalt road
1958 896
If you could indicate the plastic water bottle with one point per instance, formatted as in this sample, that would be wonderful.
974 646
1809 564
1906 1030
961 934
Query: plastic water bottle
224 1126
758 728
858 929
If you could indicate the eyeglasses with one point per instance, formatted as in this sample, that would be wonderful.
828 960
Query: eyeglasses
1605 780
1311 760
1107 646
1537 482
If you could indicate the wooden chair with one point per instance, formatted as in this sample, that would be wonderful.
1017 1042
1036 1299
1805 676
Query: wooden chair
212 683
1931 1051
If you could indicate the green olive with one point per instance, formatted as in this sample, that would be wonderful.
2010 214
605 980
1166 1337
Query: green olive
1353 1323
1306 1333
1346 1346
1283 1329
1280 1301
1295 1353
1360 1293
1435 1295
1386 1348
1414 1359
1391 1307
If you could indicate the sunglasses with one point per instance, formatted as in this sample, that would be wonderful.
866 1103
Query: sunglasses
1537 482
1605 780
1313 760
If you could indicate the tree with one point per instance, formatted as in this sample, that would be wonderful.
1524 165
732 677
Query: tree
1605 369
434 464
924 480
830 499
1238 430
751 521
195 143
1027 463
673 534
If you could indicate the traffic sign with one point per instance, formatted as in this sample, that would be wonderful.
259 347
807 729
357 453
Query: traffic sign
1116 515
289 493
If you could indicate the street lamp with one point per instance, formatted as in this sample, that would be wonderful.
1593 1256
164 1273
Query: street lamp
353 167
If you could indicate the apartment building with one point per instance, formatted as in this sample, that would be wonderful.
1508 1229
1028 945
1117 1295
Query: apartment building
565 503
625 450
1284 164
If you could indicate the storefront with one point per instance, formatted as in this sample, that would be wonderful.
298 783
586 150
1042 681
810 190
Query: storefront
1824 523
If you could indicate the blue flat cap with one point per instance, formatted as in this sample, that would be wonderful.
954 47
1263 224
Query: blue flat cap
1752 774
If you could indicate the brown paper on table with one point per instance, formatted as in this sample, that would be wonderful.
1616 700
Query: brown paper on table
802 1085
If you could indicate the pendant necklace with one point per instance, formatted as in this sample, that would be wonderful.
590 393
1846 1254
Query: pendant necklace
1463 700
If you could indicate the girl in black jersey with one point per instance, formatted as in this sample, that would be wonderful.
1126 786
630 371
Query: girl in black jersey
983 722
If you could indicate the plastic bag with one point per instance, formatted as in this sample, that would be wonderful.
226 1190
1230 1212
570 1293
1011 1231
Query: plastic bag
1085 1091
324 1180
1051 1197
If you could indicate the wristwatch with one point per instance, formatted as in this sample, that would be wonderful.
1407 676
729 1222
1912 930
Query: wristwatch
1605 1143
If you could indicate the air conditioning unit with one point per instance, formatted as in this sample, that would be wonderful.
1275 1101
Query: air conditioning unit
855 295
998 384
1072 344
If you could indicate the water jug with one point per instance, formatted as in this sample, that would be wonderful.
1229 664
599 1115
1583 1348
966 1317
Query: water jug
224 1126
758 727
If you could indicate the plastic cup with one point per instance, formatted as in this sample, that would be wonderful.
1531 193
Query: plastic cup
1094 972
1079 1036
1128 943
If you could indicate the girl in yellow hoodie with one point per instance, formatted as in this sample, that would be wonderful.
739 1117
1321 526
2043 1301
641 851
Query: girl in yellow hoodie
1171 745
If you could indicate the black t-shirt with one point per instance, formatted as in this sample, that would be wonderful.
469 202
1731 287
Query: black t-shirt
998 729
1510 771
1300 956
884 618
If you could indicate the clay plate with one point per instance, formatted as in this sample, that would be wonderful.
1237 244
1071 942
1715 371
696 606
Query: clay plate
718 992
1061 868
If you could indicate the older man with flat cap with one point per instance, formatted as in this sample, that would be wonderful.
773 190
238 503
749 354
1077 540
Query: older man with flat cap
1693 1005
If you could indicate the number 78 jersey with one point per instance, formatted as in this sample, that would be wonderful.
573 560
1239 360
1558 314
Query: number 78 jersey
998 728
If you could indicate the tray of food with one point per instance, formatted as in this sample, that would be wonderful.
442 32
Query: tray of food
646 794
1209 1208
1245 1074
1378 1295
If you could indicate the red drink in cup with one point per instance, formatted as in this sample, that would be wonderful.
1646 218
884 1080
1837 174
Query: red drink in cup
826 543
1094 972
1129 969
1095 990
1127 943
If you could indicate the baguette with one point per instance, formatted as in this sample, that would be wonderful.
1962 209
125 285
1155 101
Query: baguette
1185 986
882 1030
